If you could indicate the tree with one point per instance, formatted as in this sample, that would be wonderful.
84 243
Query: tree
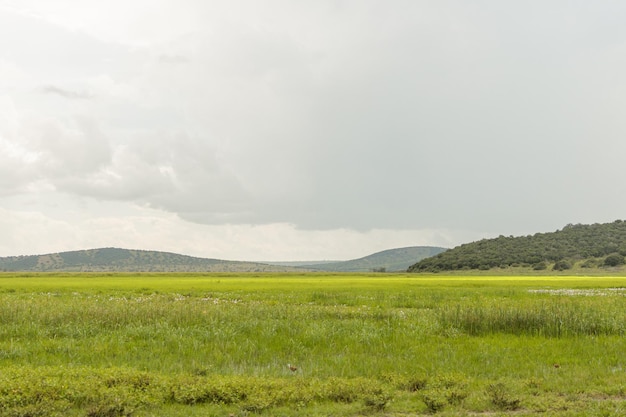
561 265
614 259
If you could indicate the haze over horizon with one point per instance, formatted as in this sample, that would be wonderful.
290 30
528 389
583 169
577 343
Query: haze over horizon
284 131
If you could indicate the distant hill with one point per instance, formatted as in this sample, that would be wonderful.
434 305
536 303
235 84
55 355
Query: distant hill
298 263
586 246
389 260
127 260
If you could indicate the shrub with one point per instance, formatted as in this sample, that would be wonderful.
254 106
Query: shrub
614 259
110 408
435 401
405 382
377 400
201 390
589 263
348 390
415 383
500 397
540 266
259 401
561 265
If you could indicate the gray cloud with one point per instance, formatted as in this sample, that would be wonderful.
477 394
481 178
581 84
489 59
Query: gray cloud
66 93
486 116
173 59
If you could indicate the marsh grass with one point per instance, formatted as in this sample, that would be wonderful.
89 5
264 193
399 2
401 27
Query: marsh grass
562 316
142 344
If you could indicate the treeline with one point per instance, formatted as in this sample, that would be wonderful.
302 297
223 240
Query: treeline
596 244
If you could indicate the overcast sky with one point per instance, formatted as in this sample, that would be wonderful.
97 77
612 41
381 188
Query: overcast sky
290 130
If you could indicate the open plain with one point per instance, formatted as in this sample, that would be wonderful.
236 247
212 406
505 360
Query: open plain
311 344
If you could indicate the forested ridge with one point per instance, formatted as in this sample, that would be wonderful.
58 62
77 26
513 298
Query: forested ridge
586 245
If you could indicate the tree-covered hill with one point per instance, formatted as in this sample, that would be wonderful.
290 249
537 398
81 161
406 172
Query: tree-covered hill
589 245
127 260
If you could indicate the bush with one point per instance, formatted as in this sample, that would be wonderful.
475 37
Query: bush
348 390
540 266
377 400
435 401
405 382
562 265
500 397
415 384
589 263
614 259
112 407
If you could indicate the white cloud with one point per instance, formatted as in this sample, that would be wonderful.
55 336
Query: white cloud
8 118
328 116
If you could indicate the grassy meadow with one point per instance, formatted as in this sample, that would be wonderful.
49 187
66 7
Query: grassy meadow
395 345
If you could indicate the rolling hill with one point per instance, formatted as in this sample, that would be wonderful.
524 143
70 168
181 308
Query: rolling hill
584 246
389 260
127 260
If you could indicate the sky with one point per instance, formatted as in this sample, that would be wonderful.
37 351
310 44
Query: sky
286 130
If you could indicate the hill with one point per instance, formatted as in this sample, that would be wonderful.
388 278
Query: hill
587 246
389 260
127 260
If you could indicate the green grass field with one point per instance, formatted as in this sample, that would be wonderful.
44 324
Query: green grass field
394 345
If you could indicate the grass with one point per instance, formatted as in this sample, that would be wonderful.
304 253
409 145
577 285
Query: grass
219 344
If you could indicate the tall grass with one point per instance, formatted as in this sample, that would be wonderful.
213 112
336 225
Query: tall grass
557 317
225 341
180 333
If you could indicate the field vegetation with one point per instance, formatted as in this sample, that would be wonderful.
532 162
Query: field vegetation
316 345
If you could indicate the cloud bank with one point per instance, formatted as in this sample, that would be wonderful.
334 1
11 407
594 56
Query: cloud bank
334 115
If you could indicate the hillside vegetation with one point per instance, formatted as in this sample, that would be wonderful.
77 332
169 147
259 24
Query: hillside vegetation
586 246
127 260
389 260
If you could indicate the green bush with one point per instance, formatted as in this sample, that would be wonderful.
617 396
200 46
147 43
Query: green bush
377 400
435 401
500 397
199 390
589 263
111 407
405 382
348 390
614 259
415 383
562 265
